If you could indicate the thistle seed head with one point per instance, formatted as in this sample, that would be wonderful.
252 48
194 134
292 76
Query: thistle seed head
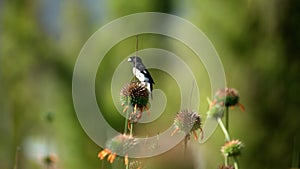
135 94
187 121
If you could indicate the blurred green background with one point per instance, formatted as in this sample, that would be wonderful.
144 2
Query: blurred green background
258 43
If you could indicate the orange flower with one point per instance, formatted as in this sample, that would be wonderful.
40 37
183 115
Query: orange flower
120 144
111 157
106 152
102 154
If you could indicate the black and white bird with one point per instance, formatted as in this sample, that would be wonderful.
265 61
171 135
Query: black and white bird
139 71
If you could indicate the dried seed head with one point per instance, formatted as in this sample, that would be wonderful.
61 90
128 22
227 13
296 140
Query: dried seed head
232 148
187 121
121 144
228 95
135 93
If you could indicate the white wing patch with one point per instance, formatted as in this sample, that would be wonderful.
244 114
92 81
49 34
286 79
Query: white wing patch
141 76
138 74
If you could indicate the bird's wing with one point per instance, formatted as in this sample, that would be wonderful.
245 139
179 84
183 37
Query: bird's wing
147 74
140 66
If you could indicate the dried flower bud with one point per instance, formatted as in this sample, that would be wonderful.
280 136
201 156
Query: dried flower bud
232 148
228 95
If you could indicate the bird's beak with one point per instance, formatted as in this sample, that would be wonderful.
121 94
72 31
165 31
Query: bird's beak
129 60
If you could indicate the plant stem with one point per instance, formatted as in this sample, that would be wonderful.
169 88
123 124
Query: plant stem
235 163
227 119
227 129
185 145
126 121
17 158
126 118
131 129
227 137
226 161
102 165
137 44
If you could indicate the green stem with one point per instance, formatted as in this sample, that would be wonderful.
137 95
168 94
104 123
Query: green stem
185 145
130 133
126 119
126 122
235 163
102 165
127 166
227 137
227 129
226 160
137 44
17 158
227 119
131 129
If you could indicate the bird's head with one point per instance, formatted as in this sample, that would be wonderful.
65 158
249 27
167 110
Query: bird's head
134 59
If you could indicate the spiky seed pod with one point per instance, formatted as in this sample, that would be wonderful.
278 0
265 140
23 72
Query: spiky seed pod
135 93
228 95
119 145
187 121
232 148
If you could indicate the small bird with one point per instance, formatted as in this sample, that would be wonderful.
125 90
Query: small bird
139 71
